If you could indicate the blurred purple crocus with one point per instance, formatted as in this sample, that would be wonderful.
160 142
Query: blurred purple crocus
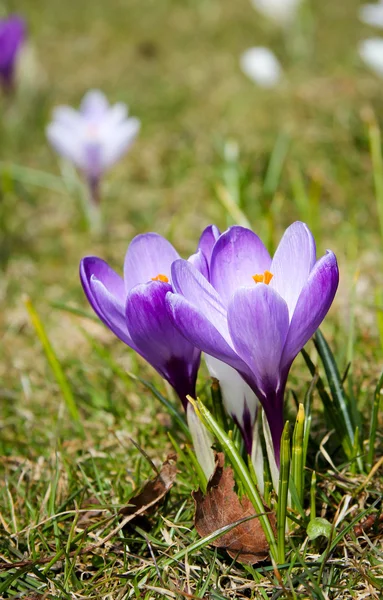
12 36
93 138
257 313
134 308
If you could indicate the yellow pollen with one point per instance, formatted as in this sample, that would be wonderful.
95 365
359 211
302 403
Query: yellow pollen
266 277
161 277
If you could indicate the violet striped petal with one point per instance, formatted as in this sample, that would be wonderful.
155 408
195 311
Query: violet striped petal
148 256
106 295
189 283
207 240
196 327
199 262
312 306
292 263
258 323
238 254
159 342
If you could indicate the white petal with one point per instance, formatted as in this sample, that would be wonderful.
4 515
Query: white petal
116 114
371 51
280 11
257 457
235 391
202 442
66 143
94 104
372 14
117 141
270 453
261 65
67 116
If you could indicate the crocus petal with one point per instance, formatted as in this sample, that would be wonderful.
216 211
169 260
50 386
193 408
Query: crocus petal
238 255
66 143
148 256
12 35
106 294
200 332
199 262
372 14
117 141
94 105
207 240
67 117
116 115
292 263
280 11
312 306
371 52
239 400
156 338
261 66
193 286
202 441
258 322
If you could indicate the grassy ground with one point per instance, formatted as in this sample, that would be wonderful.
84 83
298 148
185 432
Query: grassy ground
176 65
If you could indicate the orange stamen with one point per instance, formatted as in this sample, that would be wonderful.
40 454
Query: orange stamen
161 277
265 277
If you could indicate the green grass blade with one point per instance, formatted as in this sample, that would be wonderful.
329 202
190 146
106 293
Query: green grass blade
313 495
283 491
331 410
297 465
374 424
208 539
53 361
337 390
231 207
276 162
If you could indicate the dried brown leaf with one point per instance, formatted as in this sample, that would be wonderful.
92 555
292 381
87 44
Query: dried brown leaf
154 490
220 507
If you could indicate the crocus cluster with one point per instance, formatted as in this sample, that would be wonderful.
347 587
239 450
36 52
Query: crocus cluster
249 313
93 138
12 37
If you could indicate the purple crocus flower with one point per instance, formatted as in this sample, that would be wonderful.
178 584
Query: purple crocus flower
93 138
134 308
257 313
12 36
235 392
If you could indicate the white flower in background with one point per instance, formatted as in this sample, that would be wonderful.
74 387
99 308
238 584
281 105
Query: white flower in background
93 138
261 65
371 51
279 11
372 14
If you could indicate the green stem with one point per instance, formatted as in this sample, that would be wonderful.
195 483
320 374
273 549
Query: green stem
283 491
